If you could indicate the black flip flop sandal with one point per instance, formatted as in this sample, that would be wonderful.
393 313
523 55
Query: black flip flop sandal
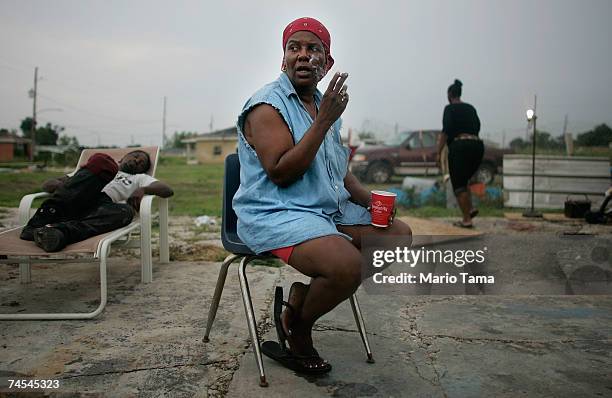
278 309
473 213
275 351
462 225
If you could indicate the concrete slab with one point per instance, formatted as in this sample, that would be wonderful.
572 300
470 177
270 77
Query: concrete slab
452 346
425 226
496 369
395 373
525 319
401 365
148 342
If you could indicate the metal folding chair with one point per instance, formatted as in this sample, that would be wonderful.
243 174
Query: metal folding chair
233 244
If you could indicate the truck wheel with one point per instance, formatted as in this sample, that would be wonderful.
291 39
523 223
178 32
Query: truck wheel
485 173
379 173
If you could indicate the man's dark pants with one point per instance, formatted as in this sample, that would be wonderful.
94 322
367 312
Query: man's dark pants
81 210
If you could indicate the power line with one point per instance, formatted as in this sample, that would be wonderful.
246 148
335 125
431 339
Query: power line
99 89
26 68
12 69
75 108
22 67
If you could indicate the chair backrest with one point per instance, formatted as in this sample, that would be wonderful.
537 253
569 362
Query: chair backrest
118 154
229 230
231 182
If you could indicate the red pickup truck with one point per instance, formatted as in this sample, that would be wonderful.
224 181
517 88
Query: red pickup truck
414 153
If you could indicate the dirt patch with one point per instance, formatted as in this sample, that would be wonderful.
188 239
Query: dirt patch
8 218
197 252
521 226
181 251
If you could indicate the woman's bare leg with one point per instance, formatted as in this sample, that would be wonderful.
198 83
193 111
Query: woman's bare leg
398 228
464 200
335 265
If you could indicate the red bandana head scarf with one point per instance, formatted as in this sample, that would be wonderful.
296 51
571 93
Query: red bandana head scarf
317 28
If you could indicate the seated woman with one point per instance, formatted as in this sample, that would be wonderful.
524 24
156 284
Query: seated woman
297 198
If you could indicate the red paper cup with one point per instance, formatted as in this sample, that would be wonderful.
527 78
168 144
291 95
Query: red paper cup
382 208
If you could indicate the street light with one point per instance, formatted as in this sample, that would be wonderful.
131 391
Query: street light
531 117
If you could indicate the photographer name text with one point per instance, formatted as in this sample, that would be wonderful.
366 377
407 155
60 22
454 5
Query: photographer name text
408 278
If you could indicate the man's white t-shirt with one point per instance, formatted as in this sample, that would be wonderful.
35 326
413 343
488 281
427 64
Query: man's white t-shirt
124 185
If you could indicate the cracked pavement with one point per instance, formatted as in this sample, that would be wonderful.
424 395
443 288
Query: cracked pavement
148 341
506 345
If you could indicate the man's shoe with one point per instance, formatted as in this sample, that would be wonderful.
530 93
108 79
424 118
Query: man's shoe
27 233
49 239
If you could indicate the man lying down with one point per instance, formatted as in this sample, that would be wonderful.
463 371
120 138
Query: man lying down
100 197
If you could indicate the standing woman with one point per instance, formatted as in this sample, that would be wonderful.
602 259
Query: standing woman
460 128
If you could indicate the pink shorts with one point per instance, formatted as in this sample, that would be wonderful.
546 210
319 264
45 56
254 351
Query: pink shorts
283 253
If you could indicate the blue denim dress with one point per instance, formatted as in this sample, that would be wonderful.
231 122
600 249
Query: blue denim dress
271 217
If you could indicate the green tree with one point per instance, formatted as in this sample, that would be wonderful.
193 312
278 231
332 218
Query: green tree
177 137
518 143
68 140
26 127
46 135
600 136
545 140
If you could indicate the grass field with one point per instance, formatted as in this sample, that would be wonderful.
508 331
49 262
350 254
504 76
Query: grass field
14 185
199 189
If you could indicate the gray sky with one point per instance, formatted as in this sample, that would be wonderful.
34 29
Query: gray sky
108 64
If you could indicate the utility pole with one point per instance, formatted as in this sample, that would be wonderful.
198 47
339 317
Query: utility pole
164 125
33 126
567 138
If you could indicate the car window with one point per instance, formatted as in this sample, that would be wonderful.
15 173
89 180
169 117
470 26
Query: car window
413 142
429 139
397 139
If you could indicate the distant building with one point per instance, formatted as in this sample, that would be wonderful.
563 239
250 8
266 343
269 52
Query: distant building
212 147
11 145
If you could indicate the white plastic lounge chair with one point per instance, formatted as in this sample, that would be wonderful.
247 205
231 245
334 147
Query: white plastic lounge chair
94 249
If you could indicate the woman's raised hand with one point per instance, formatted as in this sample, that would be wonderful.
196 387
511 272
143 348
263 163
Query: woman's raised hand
335 99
